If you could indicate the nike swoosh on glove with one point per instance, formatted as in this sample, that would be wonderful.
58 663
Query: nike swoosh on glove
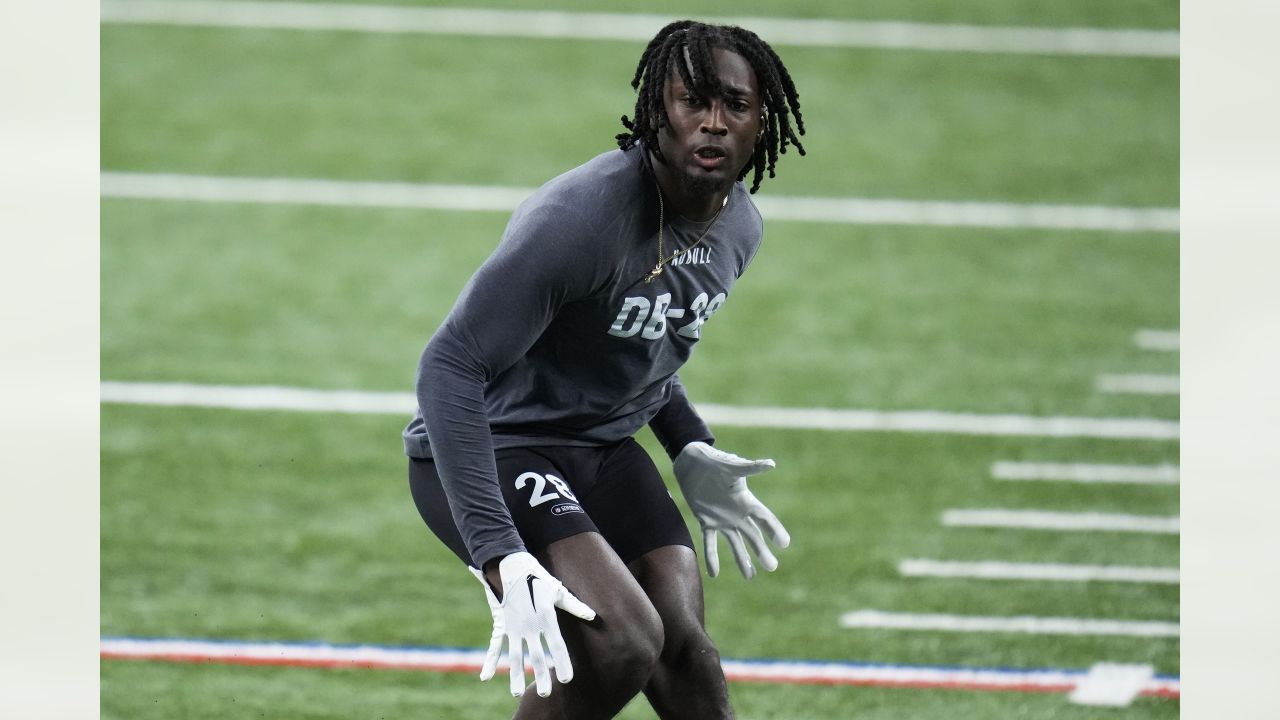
526 618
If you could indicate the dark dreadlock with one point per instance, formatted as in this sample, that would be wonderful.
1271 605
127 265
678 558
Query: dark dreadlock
692 42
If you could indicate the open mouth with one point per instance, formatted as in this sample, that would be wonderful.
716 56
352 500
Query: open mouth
710 157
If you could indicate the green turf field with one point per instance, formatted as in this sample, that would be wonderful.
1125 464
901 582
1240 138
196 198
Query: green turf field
272 525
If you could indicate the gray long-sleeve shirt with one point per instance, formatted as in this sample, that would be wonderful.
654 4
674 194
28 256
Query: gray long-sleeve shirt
557 339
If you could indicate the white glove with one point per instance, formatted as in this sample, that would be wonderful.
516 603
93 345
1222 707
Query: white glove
714 484
499 627
525 616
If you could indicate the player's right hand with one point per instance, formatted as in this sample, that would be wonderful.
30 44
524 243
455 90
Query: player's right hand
525 617
714 484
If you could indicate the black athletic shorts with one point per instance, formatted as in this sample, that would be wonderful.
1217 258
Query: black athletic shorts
555 492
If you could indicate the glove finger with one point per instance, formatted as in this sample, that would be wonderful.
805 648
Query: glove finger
740 553
726 460
777 533
515 657
740 465
559 656
570 603
538 658
754 467
491 658
752 533
711 551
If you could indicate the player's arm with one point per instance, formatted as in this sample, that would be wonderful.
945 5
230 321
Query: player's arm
677 424
500 313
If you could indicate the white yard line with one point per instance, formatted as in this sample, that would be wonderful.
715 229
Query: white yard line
550 24
929 421
301 191
1112 684
352 401
1000 570
1086 472
1161 340
1068 521
258 397
469 661
857 211
877 619
1139 384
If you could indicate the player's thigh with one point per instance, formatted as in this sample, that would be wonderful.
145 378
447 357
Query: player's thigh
631 505
626 635
671 579
592 564
640 520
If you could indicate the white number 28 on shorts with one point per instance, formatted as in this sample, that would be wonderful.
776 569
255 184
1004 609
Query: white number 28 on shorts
540 492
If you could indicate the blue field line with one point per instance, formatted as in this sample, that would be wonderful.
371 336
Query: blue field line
745 661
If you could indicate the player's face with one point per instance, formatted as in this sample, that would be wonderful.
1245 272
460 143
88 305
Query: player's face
710 139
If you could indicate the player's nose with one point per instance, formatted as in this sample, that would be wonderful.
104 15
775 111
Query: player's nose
713 121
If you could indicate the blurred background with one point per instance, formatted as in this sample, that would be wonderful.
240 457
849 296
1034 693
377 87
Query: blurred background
986 293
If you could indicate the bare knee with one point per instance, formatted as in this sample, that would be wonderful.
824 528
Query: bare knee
629 648
686 640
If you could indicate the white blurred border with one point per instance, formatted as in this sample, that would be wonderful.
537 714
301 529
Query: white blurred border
49 359
49 291
1230 347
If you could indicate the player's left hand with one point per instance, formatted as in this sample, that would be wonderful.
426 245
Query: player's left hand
714 484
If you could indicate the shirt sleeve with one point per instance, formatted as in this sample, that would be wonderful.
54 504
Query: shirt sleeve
677 424
500 313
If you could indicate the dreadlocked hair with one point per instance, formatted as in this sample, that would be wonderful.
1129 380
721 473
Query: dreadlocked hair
687 45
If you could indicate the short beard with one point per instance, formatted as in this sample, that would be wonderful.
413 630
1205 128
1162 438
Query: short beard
698 185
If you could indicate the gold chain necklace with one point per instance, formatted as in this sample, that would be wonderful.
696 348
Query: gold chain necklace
657 269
